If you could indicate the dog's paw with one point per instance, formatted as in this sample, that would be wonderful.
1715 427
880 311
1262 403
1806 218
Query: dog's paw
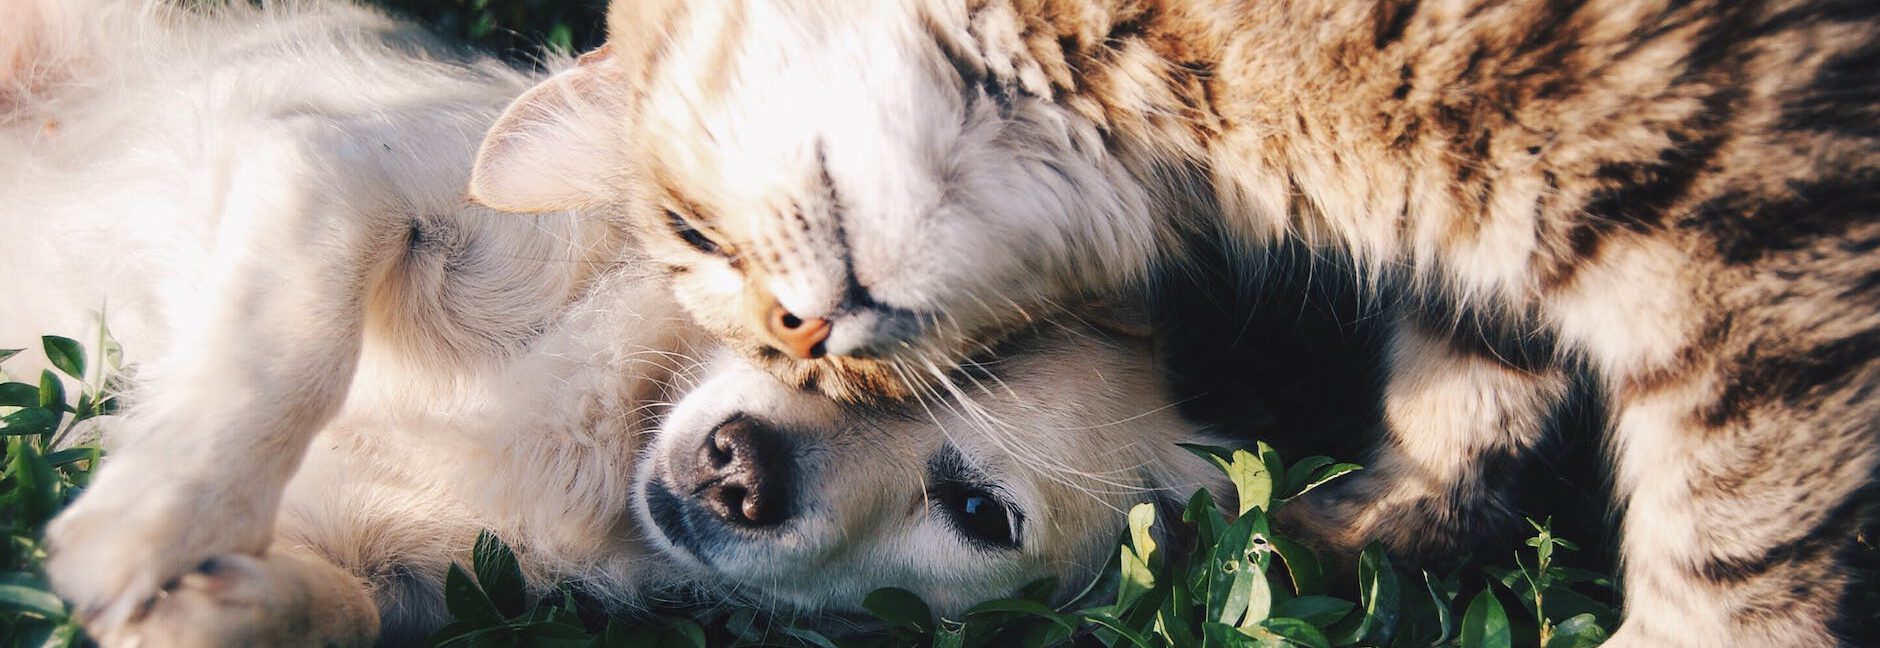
239 600
133 532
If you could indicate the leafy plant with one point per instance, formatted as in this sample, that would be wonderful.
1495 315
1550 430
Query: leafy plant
1546 593
40 473
516 28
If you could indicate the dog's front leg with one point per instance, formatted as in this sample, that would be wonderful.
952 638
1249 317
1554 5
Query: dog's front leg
288 597
255 367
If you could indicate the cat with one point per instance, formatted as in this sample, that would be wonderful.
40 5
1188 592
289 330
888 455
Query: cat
1677 196
340 371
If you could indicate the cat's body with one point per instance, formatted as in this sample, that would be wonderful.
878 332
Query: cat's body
343 370
1680 196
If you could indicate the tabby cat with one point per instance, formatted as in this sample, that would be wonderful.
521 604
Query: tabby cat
1678 196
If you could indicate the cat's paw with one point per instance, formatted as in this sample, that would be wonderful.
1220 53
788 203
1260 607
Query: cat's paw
135 531
239 600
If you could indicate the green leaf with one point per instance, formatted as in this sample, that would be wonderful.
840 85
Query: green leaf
1253 482
1442 595
1004 606
1250 600
1317 610
686 631
1174 621
51 392
466 601
1283 632
560 38
108 345
1588 576
1238 560
1564 603
22 592
1138 558
18 394
1141 519
8 353
1117 626
72 455
66 354
1300 473
1377 599
499 575
1485 625
1039 590
950 634
900 608
1216 454
1221 635
1302 566
30 420
34 483
1582 631
1325 477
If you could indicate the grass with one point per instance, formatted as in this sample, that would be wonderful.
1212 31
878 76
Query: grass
1242 584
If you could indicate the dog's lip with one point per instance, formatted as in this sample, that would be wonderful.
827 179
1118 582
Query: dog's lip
667 512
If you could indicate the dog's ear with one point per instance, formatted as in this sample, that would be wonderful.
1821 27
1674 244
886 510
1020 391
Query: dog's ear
1121 315
558 146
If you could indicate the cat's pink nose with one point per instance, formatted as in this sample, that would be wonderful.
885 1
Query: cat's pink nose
799 337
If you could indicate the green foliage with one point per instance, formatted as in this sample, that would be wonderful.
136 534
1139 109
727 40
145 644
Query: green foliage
1242 586
515 28
40 474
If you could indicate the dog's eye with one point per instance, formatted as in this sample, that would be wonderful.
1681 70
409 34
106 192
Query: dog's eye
979 515
690 234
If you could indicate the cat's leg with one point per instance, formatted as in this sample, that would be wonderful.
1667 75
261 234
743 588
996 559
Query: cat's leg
1746 479
1459 417
1746 432
288 597
256 366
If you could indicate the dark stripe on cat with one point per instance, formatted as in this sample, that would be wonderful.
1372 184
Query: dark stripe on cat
1637 195
1747 228
1391 17
1753 380
1844 98
1516 342
1818 543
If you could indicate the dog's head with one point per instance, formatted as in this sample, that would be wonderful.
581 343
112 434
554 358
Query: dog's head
1022 471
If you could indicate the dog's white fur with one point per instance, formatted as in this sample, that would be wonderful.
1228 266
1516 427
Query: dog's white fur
343 370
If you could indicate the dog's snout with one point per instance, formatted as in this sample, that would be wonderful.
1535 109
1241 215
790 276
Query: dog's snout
742 473
799 337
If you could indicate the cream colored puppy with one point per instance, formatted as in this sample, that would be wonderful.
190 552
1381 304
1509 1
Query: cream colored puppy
343 372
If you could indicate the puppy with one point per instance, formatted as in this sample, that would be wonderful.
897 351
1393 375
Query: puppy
343 370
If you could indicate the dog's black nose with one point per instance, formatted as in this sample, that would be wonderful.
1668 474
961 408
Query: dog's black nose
742 474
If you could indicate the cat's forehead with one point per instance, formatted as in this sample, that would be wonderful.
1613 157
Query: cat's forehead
774 101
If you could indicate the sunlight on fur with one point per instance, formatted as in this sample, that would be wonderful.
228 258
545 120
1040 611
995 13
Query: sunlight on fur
344 370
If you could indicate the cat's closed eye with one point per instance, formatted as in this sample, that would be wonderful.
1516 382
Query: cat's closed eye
692 235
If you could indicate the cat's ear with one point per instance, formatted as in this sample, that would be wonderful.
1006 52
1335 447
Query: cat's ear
559 145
